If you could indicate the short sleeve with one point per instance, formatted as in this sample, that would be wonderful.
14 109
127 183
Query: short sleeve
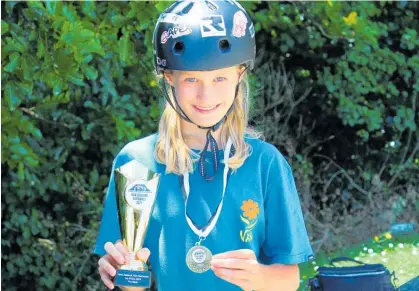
109 227
286 238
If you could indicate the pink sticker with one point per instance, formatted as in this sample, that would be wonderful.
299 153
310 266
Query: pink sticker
240 22
174 32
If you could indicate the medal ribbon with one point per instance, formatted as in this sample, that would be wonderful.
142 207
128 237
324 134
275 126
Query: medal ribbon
203 232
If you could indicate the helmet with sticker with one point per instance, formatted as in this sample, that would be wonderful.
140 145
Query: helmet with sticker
203 35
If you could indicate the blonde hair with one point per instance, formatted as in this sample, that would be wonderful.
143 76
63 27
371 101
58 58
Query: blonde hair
172 150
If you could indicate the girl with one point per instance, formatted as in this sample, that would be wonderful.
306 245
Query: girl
222 189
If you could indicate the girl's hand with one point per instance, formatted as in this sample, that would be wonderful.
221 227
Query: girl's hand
239 267
116 255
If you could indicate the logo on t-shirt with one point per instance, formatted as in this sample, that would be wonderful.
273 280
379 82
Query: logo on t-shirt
250 214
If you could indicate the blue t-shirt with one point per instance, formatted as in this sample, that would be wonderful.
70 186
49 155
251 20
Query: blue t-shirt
261 211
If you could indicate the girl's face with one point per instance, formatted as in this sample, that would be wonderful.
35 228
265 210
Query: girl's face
205 96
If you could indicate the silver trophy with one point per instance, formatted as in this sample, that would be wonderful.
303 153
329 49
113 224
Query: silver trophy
136 189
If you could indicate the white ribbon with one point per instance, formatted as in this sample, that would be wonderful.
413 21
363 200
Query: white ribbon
203 233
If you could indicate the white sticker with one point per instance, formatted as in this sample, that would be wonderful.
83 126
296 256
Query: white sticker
239 24
170 18
161 62
139 196
174 32
213 26
252 30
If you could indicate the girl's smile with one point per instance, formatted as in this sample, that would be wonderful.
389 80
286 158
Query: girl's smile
206 109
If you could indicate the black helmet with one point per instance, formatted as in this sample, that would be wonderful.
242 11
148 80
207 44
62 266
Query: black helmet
203 36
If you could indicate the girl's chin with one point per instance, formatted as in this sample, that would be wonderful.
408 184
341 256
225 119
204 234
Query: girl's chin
206 120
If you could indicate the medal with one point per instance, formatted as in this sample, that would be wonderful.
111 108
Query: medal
198 258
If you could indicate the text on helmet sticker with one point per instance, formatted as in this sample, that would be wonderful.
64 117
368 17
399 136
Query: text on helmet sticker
170 18
161 62
213 26
176 31
252 30
239 24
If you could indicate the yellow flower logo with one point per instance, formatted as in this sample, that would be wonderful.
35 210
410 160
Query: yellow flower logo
250 210
351 19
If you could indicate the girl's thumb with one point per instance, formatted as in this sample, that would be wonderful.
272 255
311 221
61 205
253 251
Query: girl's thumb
143 254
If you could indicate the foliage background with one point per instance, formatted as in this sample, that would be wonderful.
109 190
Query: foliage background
335 89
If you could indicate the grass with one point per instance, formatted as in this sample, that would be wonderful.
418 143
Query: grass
399 253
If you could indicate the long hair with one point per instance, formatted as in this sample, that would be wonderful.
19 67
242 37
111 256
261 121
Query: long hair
172 150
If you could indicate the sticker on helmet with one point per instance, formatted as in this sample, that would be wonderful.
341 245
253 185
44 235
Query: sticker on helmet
161 62
170 18
213 26
252 30
174 32
239 24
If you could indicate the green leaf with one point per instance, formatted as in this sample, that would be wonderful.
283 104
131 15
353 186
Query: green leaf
37 7
27 70
41 49
244 220
4 27
12 95
14 62
89 8
252 225
53 7
87 59
94 47
19 149
125 48
90 72
76 78
27 87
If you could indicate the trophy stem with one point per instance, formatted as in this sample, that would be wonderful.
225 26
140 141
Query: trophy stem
134 264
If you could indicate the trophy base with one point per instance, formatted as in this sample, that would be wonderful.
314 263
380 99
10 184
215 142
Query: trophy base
135 274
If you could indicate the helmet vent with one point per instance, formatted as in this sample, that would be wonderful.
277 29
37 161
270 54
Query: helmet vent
224 45
178 48
187 8
211 5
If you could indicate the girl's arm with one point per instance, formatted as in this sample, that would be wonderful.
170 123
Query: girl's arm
281 277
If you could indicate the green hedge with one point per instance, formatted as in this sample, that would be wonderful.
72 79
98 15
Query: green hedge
335 89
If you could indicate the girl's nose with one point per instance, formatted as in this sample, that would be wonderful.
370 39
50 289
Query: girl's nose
205 91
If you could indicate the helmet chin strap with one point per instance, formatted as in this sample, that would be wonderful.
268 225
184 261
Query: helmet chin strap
210 140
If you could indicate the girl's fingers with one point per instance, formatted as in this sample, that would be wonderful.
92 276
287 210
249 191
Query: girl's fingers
105 278
143 254
114 253
106 266
122 249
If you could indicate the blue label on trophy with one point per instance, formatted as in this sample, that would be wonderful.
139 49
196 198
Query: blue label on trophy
131 278
138 195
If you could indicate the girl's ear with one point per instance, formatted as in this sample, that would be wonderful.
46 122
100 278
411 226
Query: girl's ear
169 77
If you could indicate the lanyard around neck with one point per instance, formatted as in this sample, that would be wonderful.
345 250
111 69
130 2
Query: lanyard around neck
203 232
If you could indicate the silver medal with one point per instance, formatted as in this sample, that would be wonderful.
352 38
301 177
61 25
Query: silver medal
198 259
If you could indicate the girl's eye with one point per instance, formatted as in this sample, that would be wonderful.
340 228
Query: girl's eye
190 79
219 79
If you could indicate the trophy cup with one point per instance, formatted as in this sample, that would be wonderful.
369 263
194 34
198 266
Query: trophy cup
136 188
